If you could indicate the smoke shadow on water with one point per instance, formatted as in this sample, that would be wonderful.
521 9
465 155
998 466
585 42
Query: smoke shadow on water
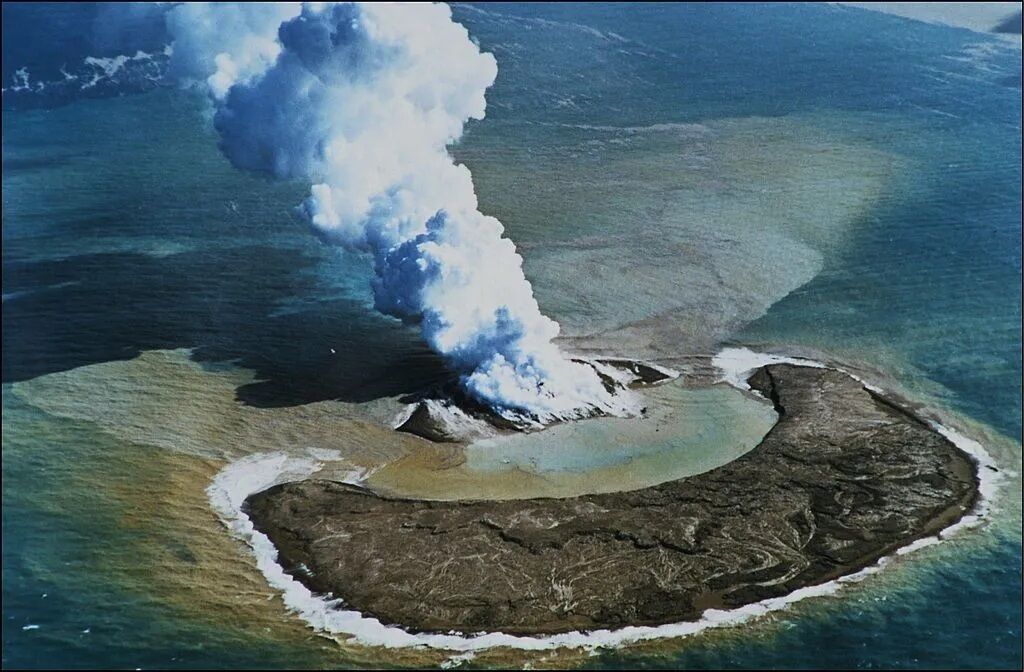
88 309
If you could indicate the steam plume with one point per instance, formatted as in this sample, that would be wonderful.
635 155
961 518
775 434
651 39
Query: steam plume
363 101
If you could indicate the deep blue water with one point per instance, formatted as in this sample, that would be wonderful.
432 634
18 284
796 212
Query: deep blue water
124 231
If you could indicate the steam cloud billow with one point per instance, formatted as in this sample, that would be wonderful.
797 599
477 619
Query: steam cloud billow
363 100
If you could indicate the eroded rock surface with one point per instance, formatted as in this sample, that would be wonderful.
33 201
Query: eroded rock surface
843 478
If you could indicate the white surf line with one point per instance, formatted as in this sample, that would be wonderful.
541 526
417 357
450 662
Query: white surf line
255 473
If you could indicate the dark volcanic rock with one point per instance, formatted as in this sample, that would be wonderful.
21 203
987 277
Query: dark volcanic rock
842 479
422 422
454 418
645 373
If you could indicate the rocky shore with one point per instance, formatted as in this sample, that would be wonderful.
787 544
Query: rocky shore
843 478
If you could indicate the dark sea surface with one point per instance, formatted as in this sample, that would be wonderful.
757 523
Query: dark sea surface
792 177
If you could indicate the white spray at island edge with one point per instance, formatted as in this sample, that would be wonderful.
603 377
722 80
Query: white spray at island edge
364 100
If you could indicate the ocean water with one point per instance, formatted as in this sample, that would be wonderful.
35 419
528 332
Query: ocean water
800 178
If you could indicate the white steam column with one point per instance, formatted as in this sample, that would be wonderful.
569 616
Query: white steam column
363 101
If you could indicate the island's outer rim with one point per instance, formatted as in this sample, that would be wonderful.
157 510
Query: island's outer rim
317 611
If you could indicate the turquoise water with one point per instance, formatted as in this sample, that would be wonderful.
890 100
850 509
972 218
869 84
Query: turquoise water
787 176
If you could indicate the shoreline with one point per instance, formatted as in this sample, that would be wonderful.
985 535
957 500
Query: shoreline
259 472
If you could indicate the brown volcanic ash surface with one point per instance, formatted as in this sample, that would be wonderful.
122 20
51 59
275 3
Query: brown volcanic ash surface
843 478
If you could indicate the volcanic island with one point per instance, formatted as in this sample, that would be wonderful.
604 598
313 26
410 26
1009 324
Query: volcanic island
846 476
